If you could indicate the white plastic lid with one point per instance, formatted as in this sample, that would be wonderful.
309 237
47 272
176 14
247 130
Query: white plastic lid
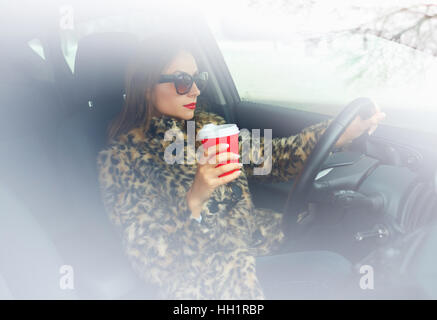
212 130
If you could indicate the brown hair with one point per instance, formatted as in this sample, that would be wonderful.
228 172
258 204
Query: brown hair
152 56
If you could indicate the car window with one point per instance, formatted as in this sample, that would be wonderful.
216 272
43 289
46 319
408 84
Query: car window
287 59
36 45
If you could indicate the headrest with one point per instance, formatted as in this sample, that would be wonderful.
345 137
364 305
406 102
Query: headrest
101 64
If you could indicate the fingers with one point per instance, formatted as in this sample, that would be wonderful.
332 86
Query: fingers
227 167
212 178
223 157
378 117
373 122
228 178
374 119
205 155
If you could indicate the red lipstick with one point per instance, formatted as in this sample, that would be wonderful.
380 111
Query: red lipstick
190 106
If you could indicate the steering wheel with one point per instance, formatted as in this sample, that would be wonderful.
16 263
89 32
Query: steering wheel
298 196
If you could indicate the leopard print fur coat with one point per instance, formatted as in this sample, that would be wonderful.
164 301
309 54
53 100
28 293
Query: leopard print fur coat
144 197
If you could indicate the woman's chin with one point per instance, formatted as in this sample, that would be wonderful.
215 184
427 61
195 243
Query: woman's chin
188 114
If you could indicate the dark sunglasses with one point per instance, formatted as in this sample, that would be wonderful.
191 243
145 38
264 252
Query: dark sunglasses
183 81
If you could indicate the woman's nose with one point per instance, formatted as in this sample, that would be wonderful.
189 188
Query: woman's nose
194 91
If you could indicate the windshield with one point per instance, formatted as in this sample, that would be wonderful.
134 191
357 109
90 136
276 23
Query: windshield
313 56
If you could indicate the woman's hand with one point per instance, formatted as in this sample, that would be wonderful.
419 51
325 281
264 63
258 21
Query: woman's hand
207 176
358 126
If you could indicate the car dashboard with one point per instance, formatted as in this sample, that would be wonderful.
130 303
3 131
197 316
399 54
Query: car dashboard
364 197
362 200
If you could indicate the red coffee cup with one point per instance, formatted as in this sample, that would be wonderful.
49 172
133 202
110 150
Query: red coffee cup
212 134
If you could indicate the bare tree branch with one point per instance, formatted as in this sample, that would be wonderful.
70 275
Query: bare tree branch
420 14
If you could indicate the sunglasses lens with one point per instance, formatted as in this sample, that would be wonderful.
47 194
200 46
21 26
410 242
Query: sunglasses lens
201 80
183 83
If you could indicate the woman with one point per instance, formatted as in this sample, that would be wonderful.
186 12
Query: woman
193 233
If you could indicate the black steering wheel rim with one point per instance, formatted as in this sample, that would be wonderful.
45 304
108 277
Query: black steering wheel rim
298 195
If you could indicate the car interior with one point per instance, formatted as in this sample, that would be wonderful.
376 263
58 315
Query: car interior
375 203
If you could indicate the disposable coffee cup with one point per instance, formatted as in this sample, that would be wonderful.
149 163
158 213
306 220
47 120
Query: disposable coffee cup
212 134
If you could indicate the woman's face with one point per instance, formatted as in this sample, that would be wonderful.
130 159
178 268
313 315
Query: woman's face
168 101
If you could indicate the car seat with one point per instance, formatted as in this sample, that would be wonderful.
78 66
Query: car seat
29 109
101 61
